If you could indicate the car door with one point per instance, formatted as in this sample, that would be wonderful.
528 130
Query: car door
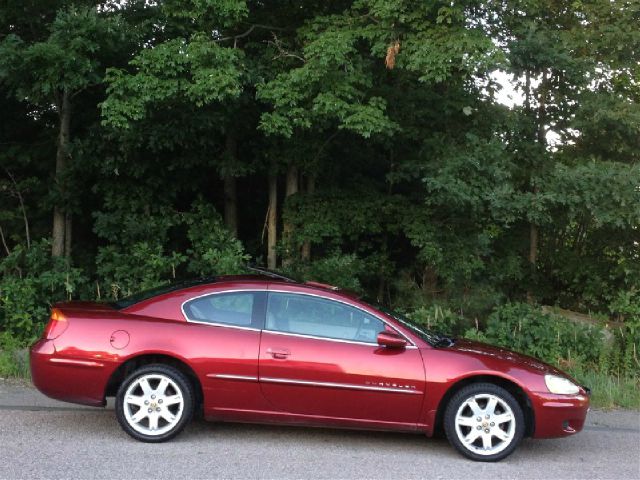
224 338
319 357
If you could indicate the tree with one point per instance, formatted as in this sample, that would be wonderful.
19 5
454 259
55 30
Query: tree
53 71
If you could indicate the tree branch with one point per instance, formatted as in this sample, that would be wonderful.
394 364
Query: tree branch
22 207
4 242
282 52
248 32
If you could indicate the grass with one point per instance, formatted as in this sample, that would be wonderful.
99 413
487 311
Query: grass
608 392
14 363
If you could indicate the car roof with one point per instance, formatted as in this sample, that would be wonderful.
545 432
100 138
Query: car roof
220 280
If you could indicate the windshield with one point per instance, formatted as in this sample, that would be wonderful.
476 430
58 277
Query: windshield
154 292
434 339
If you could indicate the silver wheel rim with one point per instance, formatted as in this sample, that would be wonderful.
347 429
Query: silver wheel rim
153 404
485 424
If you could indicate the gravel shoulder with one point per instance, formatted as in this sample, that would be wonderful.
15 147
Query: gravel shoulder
40 437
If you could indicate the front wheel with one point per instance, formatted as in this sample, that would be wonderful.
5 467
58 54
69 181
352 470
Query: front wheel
484 422
155 403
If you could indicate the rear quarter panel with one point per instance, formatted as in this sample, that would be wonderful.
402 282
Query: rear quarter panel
77 366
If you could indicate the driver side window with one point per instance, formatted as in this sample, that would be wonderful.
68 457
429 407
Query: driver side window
319 317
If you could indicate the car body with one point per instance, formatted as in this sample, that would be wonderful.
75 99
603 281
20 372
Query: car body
259 349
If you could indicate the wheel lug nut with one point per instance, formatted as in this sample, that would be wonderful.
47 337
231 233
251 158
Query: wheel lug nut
150 410
492 424
479 419
153 397
479 427
486 431
158 409
146 402
487 417
160 401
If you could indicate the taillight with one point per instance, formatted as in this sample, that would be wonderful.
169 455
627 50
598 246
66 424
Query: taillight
58 323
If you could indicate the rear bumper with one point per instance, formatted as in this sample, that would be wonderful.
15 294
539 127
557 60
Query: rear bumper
67 379
559 415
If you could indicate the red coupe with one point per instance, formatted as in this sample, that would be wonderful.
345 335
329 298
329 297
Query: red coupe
260 348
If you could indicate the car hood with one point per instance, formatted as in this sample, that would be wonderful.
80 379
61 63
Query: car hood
503 354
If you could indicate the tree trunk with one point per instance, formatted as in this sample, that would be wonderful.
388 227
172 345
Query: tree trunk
291 188
62 154
306 246
230 189
429 281
272 216
533 257
68 227
541 137
231 204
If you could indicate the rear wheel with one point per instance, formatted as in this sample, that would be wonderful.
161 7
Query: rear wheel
155 403
484 422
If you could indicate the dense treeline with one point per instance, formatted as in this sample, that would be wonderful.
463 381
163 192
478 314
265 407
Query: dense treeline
364 143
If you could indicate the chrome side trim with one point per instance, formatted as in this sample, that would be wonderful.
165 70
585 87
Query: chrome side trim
225 376
351 386
78 363
226 325
338 340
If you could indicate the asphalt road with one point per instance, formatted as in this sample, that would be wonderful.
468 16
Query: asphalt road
43 438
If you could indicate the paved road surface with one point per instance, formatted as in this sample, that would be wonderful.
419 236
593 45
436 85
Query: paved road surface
43 438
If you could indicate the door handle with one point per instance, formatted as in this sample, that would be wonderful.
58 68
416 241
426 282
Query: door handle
281 353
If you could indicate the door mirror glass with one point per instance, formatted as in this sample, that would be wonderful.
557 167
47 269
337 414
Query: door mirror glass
391 340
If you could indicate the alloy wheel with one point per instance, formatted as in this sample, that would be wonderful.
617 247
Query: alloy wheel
153 404
485 424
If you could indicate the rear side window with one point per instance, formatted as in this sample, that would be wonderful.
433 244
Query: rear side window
234 308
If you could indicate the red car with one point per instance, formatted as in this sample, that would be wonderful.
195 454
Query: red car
256 348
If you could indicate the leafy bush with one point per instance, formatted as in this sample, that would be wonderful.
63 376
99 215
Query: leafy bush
123 269
526 329
440 319
31 280
342 270
143 265
14 358
625 354
213 249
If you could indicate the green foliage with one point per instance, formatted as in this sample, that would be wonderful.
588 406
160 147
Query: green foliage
199 71
570 345
609 391
526 329
440 319
139 257
140 267
14 360
68 59
30 282
341 270
416 185
213 250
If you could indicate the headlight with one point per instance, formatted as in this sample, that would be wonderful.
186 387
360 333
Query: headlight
562 385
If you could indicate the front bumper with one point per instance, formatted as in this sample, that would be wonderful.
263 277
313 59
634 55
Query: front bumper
559 415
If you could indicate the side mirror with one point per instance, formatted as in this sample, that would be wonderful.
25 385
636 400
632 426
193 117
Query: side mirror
391 340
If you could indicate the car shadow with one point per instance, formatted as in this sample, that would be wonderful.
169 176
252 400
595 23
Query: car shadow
102 422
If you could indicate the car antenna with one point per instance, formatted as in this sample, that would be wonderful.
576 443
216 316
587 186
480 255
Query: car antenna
270 273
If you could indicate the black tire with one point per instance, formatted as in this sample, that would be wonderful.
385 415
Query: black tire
504 447
180 383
